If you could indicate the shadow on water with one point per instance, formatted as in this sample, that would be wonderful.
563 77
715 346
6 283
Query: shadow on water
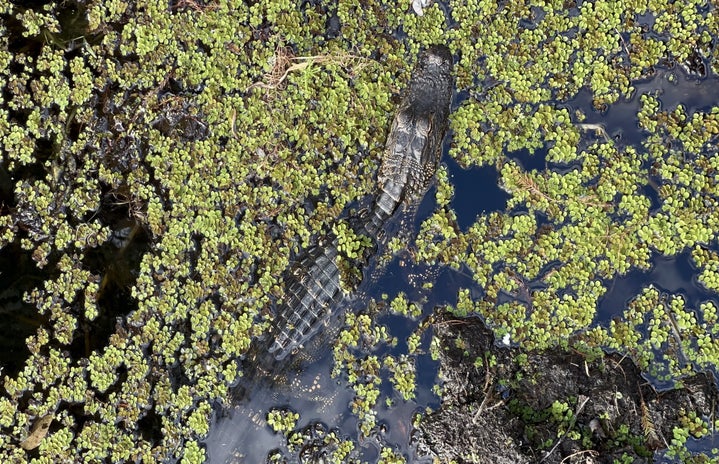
116 263
20 320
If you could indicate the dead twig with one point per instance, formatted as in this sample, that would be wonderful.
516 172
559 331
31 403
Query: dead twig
284 63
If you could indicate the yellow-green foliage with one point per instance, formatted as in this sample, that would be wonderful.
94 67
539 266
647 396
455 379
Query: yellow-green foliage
212 123
202 123
282 421
403 375
593 202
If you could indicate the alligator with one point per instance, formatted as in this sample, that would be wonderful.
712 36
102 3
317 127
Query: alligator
315 284
411 157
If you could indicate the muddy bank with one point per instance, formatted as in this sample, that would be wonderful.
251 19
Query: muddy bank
502 405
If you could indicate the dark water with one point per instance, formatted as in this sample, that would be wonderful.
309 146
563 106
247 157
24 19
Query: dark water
476 193
242 431
20 319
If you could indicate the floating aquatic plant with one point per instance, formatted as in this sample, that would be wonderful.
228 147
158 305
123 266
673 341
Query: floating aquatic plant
234 135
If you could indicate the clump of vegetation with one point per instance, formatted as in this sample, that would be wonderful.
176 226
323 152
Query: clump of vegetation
282 421
352 253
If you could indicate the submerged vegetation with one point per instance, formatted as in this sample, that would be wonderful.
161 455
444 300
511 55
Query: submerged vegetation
162 164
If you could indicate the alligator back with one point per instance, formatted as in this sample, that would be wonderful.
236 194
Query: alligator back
408 166
414 142
313 289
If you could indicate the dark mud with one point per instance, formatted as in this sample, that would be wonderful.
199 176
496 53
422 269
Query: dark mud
501 405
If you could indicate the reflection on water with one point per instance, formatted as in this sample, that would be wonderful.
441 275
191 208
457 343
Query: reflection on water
672 88
240 433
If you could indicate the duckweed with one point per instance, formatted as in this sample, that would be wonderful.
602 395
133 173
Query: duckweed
212 127
282 421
